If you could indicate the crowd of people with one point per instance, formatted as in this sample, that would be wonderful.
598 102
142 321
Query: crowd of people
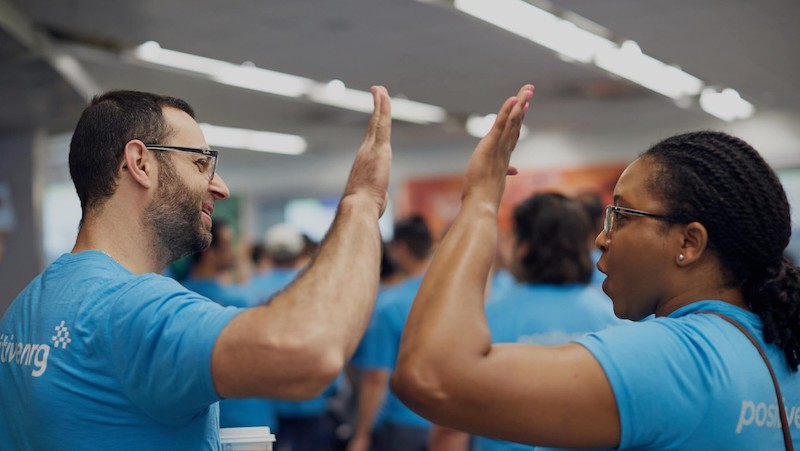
669 319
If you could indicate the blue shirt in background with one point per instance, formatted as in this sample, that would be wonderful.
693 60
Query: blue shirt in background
382 343
544 315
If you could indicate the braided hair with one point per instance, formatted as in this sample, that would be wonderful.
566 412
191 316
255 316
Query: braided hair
722 182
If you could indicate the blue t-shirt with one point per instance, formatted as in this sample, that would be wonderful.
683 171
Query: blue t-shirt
382 343
236 412
502 280
226 295
267 284
694 382
93 356
385 294
544 315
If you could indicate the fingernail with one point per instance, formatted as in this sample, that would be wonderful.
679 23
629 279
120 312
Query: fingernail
525 110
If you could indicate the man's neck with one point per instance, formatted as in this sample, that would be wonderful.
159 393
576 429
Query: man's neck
122 241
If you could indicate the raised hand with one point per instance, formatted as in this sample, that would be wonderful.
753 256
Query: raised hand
370 172
489 164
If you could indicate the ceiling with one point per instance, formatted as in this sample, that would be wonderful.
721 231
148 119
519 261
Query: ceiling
426 52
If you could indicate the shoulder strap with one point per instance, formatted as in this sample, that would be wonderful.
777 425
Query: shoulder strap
787 437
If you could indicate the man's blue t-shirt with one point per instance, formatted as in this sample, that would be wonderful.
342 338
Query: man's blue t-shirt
695 382
382 343
544 315
93 356
236 412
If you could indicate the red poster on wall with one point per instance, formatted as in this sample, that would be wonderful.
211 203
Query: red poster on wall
438 199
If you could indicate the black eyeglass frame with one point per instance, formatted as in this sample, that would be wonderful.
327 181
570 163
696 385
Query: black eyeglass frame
213 154
608 220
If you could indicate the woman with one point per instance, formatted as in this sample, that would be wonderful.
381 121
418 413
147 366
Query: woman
699 225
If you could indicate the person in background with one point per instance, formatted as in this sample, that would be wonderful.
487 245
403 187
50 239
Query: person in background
260 259
303 425
696 236
285 246
552 301
347 400
593 204
210 269
113 355
383 423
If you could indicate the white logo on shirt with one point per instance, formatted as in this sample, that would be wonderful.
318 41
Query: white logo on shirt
32 354
766 415
62 336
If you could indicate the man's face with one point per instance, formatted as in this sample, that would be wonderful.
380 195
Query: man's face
179 214
175 217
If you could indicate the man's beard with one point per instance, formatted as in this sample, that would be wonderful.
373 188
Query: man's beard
174 217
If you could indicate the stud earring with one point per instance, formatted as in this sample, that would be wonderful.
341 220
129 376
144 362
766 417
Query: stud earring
681 258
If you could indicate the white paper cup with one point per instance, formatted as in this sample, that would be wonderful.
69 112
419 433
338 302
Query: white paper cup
246 439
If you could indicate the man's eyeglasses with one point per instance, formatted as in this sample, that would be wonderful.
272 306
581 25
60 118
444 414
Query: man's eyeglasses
209 165
613 210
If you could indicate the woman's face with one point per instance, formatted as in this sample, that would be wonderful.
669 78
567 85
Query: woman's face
639 252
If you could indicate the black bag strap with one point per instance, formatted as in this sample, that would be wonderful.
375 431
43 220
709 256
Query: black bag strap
787 436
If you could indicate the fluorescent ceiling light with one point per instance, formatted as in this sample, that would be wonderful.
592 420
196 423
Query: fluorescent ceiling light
629 62
727 105
333 93
574 43
260 141
539 26
244 76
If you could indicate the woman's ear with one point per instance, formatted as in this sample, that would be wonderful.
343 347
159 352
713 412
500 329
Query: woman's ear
138 162
694 241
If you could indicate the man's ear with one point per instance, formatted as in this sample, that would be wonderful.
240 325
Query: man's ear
139 163
694 241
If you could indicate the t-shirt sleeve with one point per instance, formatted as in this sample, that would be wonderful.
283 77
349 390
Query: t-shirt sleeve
657 371
162 337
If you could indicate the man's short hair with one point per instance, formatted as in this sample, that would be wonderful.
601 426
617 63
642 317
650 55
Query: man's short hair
109 122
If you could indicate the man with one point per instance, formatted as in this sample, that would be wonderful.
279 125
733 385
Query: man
396 426
100 352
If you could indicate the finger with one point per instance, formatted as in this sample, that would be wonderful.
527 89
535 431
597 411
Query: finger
380 123
502 115
513 120
384 131
523 97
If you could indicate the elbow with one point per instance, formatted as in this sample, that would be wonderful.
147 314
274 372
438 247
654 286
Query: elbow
322 369
306 367
418 385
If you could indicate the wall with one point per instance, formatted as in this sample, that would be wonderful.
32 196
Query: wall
22 259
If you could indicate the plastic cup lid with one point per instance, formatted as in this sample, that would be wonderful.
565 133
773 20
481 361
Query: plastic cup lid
246 435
